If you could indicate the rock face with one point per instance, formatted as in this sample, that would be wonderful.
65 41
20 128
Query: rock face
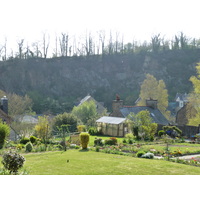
73 77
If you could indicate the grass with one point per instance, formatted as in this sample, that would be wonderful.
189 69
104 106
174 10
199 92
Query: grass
96 163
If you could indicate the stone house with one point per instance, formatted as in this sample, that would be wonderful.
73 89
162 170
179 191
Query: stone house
120 110
115 125
99 105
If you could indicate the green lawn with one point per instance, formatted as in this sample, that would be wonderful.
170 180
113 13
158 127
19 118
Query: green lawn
96 163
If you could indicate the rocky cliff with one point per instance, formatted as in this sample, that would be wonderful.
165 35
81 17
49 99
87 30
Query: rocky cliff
69 78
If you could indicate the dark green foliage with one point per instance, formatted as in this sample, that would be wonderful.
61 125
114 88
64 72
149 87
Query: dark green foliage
130 141
12 161
161 133
92 131
29 147
65 119
24 140
140 154
172 131
124 140
111 141
98 142
33 139
4 131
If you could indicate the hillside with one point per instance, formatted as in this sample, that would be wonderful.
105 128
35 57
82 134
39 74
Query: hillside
63 80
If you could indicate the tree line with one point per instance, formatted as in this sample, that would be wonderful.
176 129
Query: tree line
101 43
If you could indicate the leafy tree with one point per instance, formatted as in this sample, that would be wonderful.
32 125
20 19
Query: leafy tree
194 100
17 105
143 123
151 88
42 128
4 132
86 112
65 119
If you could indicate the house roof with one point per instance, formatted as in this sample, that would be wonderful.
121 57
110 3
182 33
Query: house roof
181 97
86 98
111 120
156 115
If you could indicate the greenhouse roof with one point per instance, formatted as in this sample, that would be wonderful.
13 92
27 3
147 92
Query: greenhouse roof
111 120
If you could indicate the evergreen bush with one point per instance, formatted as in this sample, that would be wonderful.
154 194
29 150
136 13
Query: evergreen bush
12 161
140 154
84 139
92 131
111 141
98 142
24 140
4 131
33 139
29 147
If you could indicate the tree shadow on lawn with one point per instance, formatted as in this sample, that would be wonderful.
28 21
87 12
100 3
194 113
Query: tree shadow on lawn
83 150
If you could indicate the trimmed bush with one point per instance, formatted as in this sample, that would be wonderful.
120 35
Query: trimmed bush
4 131
140 154
81 128
24 140
111 141
129 136
161 133
29 147
98 142
33 139
84 139
92 131
12 161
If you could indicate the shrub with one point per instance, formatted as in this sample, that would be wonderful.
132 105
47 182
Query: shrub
140 154
81 128
124 140
33 139
19 146
161 133
111 141
130 141
148 155
97 149
98 142
24 140
29 147
92 131
4 131
84 139
129 136
12 161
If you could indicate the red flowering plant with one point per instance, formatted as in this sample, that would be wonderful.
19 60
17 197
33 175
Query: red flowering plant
194 161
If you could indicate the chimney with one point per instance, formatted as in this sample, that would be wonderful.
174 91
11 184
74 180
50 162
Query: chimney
152 103
4 104
116 105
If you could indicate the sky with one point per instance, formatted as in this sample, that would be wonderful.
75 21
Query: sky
133 19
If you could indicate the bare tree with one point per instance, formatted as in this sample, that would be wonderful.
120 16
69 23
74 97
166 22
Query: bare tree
5 49
37 51
46 41
155 42
88 44
102 37
20 48
110 44
64 42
